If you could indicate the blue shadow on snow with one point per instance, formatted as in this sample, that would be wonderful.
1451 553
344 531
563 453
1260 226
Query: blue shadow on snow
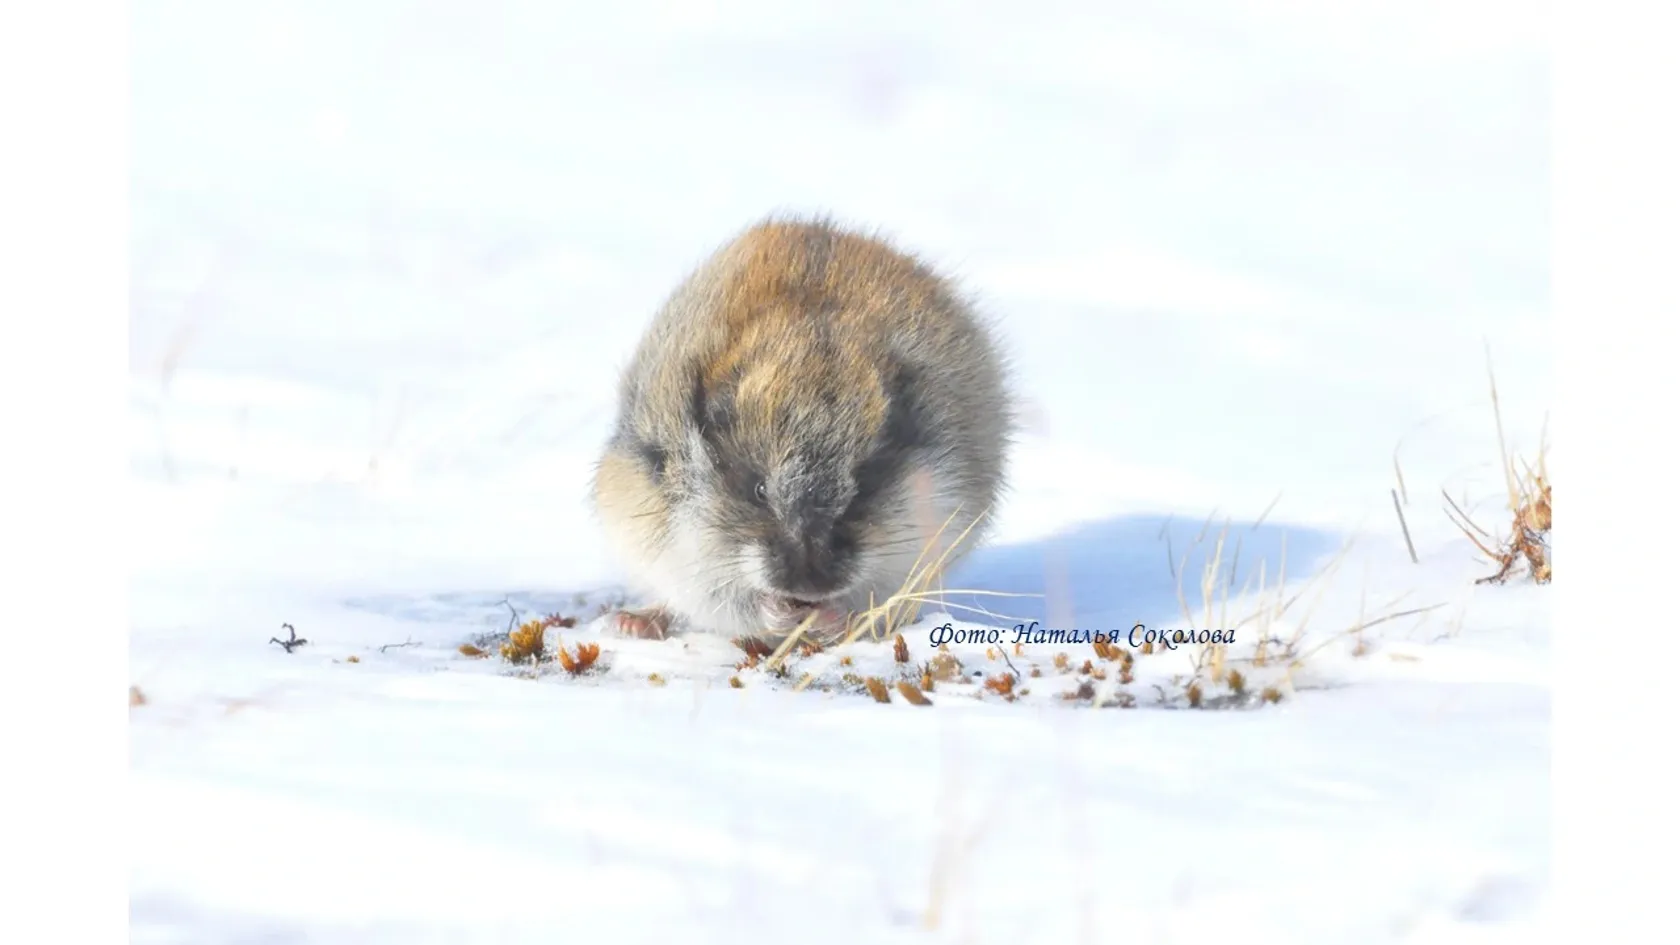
1112 574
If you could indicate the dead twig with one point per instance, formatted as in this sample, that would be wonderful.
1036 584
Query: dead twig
292 640
1009 664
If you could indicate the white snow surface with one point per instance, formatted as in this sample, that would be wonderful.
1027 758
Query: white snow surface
388 258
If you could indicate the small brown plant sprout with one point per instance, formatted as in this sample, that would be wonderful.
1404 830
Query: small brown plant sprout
1035 672
525 643
1003 684
901 649
1236 681
1020 649
352 658
911 694
1062 663
468 650
736 683
136 698
1086 691
1195 695
877 688
1147 647
927 679
654 679
1271 694
587 654
555 620
1105 650
945 667
751 662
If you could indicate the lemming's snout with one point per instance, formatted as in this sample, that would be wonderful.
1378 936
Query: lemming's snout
810 565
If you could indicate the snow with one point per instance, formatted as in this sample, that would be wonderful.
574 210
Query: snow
387 259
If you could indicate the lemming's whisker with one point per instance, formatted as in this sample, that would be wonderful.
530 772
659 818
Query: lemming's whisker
710 568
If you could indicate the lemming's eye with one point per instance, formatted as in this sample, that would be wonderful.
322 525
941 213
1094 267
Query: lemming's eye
760 491
655 458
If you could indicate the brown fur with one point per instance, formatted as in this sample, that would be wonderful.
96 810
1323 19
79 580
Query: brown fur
833 369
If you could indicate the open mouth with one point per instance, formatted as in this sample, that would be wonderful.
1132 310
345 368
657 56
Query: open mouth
791 611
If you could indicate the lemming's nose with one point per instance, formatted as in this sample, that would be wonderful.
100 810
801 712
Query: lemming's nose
807 564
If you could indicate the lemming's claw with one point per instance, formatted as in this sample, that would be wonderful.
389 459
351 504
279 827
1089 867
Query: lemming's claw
648 623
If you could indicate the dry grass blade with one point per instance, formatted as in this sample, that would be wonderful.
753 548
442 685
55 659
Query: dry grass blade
901 607
913 600
1411 549
788 642
891 608
1499 427
1266 512
1399 477
1463 521
1364 625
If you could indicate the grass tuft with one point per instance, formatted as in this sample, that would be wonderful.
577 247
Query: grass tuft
525 643
1528 500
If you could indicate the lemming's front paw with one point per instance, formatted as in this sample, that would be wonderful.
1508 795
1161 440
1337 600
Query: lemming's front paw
645 623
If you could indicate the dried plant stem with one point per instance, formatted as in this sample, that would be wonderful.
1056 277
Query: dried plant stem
1404 530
